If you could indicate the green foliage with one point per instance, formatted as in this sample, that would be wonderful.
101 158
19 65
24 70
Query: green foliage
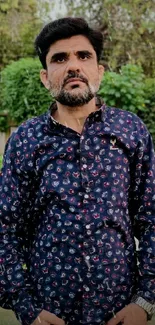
23 94
21 21
7 4
129 90
128 29
148 115
124 89
149 87
3 123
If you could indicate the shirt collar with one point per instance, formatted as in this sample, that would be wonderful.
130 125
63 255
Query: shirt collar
97 116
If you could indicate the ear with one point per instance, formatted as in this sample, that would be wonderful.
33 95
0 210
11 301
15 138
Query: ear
101 72
44 78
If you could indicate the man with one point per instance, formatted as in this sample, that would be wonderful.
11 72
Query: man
78 183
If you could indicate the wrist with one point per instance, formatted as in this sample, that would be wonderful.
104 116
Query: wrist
145 305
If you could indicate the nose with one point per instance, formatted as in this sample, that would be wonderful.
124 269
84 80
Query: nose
73 65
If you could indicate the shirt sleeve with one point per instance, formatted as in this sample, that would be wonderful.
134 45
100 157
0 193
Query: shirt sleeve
142 210
16 289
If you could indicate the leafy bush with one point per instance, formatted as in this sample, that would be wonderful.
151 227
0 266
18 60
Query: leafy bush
3 123
124 89
23 94
148 115
130 90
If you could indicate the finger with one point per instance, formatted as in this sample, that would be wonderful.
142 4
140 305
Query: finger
40 321
43 322
117 319
52 319
113 321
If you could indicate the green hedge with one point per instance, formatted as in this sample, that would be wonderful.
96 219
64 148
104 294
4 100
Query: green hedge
132 91
124 89
24 96
148 116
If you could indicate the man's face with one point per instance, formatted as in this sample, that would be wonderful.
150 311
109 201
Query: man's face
73 75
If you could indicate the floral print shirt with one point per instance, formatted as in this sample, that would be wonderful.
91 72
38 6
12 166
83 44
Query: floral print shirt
70 207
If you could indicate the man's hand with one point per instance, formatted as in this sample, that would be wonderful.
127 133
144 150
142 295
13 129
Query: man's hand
130 315
47 318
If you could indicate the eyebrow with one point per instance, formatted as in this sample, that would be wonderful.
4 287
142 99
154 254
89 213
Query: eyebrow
86 52
55 56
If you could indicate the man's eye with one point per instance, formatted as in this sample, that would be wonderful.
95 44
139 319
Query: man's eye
60 60
84 56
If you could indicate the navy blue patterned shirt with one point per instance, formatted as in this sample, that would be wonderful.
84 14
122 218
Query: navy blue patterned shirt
70 207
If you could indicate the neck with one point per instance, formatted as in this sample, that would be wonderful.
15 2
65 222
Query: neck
74 117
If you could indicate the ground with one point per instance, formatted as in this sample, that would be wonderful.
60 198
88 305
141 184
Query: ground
8 318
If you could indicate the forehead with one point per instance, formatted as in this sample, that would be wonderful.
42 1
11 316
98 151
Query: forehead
73 44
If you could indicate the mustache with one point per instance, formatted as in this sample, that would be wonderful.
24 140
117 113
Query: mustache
74 74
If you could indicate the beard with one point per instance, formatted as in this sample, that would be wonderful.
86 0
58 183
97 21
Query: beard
72 99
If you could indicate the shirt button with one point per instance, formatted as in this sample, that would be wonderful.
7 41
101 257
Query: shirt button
84 166
86 288
89 232
86 196
87 226
87 257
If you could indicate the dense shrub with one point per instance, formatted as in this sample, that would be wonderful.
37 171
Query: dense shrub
23 94
148 115
130 90
3 123
125 89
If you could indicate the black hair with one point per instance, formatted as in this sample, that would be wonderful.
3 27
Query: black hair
64 28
